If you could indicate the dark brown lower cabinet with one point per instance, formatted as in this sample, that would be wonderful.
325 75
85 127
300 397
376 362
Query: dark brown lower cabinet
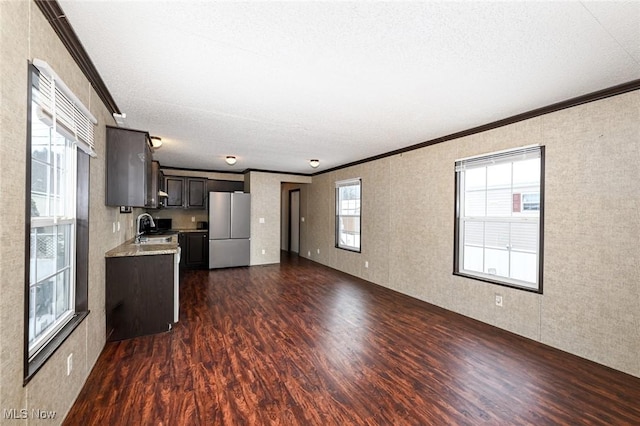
195 250
139 295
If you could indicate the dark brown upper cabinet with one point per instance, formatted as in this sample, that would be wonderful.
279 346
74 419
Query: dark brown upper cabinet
186 192
196 193
174 186
130 173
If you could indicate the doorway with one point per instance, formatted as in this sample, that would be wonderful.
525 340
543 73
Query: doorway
294 221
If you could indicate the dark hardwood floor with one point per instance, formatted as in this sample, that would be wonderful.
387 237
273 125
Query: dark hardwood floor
302 344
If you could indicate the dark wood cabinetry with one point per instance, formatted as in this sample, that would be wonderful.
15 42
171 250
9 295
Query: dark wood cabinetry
139 295
156 185
130 178
174 186
196 193
195 250
216 185
186 192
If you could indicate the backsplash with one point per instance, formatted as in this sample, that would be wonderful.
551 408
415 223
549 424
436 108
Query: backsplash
182 219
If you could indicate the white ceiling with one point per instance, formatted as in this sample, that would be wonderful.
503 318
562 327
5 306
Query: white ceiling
277 84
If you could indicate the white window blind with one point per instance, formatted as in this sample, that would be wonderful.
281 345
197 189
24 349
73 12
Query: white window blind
62 108
520 154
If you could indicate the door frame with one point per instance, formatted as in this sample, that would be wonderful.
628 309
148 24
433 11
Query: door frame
291 191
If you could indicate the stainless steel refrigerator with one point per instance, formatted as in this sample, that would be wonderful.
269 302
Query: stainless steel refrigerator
229 229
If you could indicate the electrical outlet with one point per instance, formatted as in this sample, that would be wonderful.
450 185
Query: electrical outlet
499 300
261 220
263 251
118 226
193 218
69 364
302 219
366 263
114 227
318 251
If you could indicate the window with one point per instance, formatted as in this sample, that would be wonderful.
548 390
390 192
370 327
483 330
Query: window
58 126
348 214
499 218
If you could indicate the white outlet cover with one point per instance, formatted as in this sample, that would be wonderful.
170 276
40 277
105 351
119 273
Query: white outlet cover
263 251
309 253
262 220
69 364
302 219
366 263
114 227
318 251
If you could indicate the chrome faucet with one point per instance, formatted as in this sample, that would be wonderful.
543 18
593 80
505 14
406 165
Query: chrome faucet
138 231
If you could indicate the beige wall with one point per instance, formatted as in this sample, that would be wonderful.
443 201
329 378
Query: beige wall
592 223
25 34
265 203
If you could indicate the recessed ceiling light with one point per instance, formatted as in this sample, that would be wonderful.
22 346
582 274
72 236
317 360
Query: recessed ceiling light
314 163
231 160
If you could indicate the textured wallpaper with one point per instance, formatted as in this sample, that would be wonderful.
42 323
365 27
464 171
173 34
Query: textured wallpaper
26 35
589 306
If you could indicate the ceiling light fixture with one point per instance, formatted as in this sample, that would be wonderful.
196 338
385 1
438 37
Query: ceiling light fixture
314 163
231 160
156 142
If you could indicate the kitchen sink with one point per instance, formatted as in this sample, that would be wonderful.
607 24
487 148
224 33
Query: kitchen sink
164 239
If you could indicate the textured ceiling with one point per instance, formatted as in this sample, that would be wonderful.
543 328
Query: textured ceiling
277 84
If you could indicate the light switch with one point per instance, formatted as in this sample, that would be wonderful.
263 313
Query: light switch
262 220
302 219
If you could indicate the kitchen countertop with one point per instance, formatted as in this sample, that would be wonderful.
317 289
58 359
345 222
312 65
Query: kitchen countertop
129 248
190 230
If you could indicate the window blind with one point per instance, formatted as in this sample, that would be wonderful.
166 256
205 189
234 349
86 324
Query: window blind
59 104
524 153
348 182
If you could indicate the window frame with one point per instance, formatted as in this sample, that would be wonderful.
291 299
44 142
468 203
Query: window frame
79 258
338 185
458 246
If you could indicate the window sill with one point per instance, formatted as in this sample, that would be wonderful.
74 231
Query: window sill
33 366
352 250
498 282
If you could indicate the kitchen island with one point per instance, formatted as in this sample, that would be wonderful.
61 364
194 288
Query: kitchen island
141 291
